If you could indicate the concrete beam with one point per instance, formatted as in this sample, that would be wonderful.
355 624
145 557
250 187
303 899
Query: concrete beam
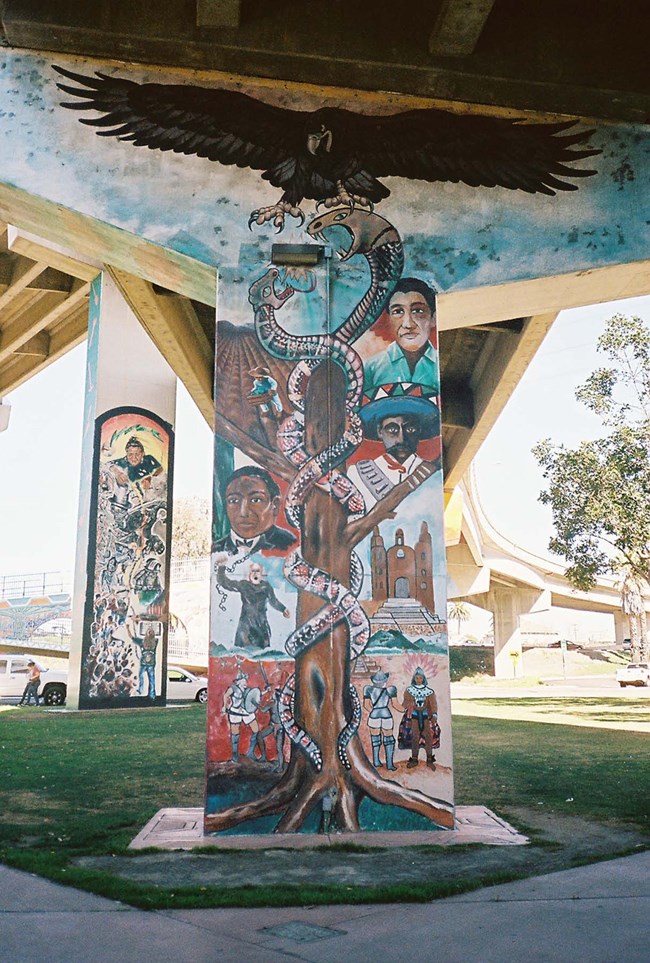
36 347
24 272
218 13
173 326
22 243
521 299
68 334
28 324
501 365
46 312
290 55
458 26
49 280
457 405
104 244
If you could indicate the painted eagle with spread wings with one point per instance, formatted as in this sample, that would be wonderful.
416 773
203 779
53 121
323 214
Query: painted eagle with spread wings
332 156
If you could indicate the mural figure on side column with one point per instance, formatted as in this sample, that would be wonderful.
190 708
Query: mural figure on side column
125 622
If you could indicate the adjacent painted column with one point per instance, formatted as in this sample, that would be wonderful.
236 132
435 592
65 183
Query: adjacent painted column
118 651
329 697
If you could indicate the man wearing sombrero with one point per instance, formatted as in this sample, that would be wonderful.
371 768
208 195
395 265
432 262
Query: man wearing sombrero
400 422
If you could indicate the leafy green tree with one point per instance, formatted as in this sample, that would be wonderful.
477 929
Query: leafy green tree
191 528
460 612
599 492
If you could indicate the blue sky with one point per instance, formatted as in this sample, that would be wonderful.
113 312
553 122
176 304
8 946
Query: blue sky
40 452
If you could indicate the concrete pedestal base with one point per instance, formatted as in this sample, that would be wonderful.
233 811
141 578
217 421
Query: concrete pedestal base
183 829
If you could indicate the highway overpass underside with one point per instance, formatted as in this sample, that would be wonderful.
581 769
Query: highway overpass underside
170 235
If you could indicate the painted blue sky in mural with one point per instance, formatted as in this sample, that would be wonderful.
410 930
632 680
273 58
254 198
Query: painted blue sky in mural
457 236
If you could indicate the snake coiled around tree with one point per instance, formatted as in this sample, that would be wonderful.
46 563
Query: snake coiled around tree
377 240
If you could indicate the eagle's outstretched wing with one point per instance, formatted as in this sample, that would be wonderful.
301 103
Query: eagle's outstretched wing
426 144
222 125
437 145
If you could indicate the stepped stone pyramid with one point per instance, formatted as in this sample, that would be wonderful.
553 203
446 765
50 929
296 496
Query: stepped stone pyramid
406 616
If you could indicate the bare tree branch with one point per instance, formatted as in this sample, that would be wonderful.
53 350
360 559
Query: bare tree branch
357 530
271 459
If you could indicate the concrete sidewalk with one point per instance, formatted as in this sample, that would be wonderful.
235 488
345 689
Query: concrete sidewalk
594 914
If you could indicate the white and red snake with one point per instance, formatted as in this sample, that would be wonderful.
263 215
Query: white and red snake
377 240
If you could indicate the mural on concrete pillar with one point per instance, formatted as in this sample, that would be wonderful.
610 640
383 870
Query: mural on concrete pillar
329 677
126 613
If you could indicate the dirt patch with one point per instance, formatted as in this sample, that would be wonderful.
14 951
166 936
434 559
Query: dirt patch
557 842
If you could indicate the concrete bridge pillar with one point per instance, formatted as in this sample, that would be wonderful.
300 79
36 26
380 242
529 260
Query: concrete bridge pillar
508 604
118 650
621 627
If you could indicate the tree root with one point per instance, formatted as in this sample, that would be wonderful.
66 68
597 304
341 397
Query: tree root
297 793
299 809
388 792
274 801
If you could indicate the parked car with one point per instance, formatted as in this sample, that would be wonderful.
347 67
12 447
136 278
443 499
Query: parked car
182 684
14 672
636 673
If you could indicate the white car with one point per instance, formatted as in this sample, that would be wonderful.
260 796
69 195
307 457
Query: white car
636 673
14 673
182 684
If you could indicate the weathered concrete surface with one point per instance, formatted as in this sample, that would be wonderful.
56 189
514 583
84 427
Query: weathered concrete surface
593 914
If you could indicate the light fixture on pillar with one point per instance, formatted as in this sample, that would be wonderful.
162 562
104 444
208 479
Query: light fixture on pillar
5 411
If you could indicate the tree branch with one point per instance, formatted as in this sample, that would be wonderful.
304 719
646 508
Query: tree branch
275 799
356 531
270 459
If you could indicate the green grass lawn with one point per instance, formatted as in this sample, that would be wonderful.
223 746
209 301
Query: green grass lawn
586 709
78 784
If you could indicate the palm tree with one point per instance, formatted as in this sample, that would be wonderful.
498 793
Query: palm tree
460 612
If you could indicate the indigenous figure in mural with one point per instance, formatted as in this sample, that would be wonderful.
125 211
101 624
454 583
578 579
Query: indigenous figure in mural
411 357
421 708
252 500
253 630
241 703
400 422
380 699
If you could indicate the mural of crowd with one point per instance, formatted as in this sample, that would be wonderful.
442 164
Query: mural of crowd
126 612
